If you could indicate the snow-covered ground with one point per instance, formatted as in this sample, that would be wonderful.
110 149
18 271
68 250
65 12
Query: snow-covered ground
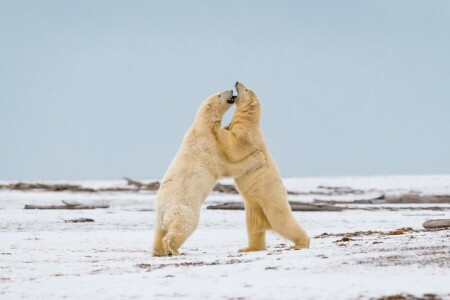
41 256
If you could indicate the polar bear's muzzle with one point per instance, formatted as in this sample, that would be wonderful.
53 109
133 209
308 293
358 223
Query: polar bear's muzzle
240 87
231 99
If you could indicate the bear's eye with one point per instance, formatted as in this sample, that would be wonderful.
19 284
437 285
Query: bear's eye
246 90
220 96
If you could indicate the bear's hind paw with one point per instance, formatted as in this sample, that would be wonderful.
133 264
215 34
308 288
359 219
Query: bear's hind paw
158 253
300 246
251 249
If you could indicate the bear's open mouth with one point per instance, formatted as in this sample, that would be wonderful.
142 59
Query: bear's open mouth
231 99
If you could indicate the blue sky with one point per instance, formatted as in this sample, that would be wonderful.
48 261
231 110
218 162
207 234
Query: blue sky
105 89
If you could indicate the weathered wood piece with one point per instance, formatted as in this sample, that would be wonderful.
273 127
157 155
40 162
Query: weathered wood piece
228 206
408 198
22 186
375 200
417 198
52 187
437 223
152 186
330 191
133 182
295 206
66 205
79 220
225 188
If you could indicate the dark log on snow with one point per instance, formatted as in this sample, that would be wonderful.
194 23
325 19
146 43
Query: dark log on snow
438 223
66 205
80 220
23 186
295 206
152 186
417 198
341 190
133 182
374 200
392 199
225 188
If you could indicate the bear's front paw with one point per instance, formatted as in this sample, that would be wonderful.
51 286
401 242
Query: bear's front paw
259 159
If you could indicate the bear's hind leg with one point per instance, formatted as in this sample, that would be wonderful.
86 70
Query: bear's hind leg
171 245
178 232
257 225
173 241
284 223
158 249
292 231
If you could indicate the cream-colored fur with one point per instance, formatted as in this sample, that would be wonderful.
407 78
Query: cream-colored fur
265 197
200 161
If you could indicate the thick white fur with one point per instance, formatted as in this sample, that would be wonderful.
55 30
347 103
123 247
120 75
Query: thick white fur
265 197
200 161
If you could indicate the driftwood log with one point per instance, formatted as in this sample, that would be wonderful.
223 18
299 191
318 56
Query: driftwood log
79 220
225 188
132 182
152 186
330 191
22 186
409 198
295 206
438 223
417 198
56 187
67 205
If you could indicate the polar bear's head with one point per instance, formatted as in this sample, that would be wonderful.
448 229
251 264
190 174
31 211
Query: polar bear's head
248 105
215 106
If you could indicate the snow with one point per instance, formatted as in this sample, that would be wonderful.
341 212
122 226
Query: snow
41 256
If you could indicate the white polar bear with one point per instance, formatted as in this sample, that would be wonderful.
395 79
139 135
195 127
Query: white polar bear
200 161
265 198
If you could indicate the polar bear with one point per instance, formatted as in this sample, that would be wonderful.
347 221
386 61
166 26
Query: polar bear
265 198
200 161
